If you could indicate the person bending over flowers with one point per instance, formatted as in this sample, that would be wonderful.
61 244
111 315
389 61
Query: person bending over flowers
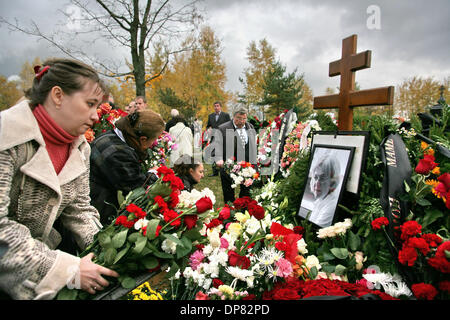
116 158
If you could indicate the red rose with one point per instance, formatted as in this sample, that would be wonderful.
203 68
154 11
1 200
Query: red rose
379 222
242 203
299 230
286 294
256 211
410 229
445 179
217 282
203 204
236 260
426 164
424 291
225 213
190 221
105 108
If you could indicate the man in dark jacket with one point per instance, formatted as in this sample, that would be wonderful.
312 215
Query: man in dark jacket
237 140
215 119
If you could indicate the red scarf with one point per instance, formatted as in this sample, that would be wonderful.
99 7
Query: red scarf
57 140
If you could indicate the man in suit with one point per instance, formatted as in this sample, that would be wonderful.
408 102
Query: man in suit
235 139
215 119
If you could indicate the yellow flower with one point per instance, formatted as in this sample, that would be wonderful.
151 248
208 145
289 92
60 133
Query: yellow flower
429 152
432 182
241 217
423 145
226 289
436 171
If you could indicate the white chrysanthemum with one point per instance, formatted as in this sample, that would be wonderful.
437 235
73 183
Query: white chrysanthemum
211 269
238 273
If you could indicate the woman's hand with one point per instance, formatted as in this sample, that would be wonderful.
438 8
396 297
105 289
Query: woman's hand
91 275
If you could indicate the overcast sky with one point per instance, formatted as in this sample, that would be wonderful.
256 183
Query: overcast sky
408 38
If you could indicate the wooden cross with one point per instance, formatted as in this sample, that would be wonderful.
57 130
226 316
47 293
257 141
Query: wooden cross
347 98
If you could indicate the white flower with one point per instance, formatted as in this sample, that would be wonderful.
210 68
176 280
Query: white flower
169 246
238 273
301 246
214 237
312 261
140 223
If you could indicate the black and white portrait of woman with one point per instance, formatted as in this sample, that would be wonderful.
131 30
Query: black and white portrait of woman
327 174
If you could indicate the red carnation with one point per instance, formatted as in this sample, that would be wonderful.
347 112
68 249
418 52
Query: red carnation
444 286
420 244
432 239
163 170
225 213
426 164
407 256
440 261
161 203
410 229
169 215
138 212
379 222
203 204
256 211
424 291
214 223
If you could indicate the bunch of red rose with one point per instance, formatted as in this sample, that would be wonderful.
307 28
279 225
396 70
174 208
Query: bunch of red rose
296 289
252 206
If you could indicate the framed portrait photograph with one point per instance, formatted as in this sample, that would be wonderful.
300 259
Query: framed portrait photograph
357 139
328 171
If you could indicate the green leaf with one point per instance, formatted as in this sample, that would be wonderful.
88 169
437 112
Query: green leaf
132 238
340 270
122 253
328 256
328 268
313 272
430 217
447 254
110 255
172 238
185 248
119 239
340 253
151 228
407 188
353 240
104 239
140 244
423 202
193 234
128 283
120 198
150 262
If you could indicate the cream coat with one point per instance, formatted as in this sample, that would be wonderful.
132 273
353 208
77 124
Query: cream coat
32 197
184 140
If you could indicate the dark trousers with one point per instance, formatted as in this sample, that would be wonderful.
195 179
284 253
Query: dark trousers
228 191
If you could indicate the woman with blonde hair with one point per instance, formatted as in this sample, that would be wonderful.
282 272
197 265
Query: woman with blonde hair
44 178
116 158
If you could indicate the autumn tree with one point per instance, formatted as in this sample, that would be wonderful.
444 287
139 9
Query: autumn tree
109 24
197 77
283 90
416 94
27 73
261 57
9 93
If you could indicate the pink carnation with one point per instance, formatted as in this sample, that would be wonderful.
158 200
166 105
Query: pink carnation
284 268
196 259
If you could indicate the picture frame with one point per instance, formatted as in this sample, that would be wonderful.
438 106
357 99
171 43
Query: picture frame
329 167
358 139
